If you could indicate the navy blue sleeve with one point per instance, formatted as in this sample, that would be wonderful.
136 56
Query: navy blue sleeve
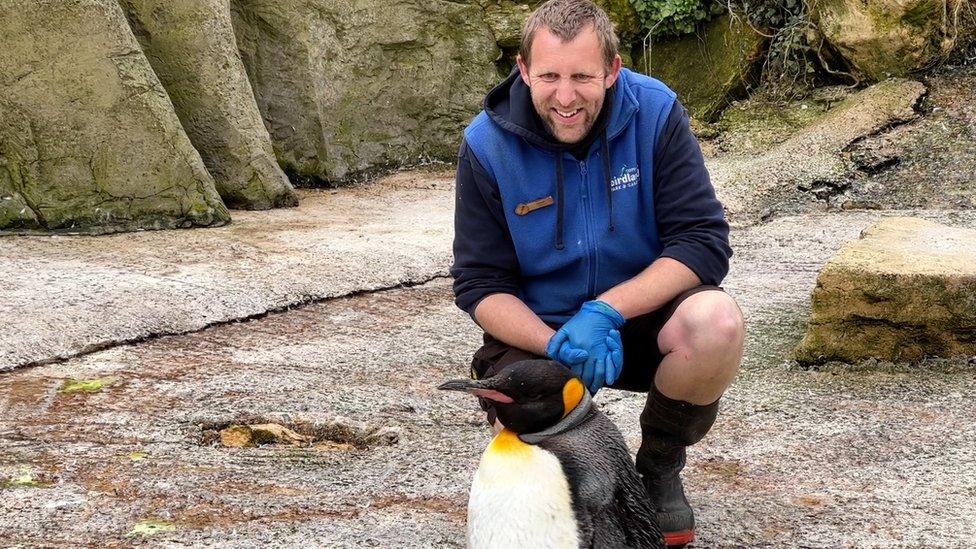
484 254
691 221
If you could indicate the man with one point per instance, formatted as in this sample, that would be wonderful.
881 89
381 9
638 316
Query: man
586 230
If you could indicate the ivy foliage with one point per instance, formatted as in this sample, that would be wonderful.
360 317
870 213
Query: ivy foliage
673 17
664 18
771 14
792 62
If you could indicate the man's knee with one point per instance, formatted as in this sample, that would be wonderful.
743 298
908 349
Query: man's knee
705 323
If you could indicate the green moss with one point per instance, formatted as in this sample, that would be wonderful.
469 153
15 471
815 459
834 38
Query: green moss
15 213
25 477
710 69
151 527
922 15
758 123
85 385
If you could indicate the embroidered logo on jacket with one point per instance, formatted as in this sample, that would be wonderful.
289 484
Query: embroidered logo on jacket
628 178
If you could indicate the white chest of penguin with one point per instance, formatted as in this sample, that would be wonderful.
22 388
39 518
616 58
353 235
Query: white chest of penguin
520 497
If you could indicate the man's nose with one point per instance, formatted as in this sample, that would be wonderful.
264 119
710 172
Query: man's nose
565 92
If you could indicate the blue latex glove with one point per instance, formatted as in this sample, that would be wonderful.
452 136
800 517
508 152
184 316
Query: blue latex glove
615 357
593 330
567 355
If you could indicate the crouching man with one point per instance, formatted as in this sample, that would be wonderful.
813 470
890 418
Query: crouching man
587 230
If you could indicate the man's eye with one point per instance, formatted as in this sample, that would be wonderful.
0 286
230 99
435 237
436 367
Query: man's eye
549 77
582 78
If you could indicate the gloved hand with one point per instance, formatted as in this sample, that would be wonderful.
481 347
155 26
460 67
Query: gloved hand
593 330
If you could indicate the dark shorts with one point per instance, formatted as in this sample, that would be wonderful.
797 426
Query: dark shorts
639 337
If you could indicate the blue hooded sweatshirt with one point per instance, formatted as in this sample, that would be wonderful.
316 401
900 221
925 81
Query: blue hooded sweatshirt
535 221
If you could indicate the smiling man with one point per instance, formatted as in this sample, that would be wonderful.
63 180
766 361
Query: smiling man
586 230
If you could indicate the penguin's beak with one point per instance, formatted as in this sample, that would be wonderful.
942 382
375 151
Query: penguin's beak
466 385
477 387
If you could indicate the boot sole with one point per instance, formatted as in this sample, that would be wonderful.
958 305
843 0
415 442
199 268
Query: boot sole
679 538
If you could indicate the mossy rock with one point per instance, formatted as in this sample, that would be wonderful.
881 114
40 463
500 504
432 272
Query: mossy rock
506 18
883 38
708 69
348 88
904 291
192 48
755 125
89 140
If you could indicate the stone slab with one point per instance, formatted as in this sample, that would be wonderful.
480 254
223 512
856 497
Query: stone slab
906 289
794 174
69 294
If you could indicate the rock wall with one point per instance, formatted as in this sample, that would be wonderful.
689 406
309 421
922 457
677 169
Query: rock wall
505 19
88 136
882 38
352 86
192 48
329 90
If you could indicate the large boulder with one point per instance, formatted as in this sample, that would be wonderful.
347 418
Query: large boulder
905 290
352 86
192 48
88 136
882 38
710 68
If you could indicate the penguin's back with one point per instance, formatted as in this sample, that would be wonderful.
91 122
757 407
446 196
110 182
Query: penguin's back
520 497
609 499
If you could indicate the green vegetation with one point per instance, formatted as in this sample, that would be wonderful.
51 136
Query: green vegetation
85 385
674 17
24 477
151 527
792 62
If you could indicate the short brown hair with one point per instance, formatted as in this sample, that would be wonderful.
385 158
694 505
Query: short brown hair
566 19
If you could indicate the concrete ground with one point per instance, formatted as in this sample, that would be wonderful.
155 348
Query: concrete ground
868 456
122 357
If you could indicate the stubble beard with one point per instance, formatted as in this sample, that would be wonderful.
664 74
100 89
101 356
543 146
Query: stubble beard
544 110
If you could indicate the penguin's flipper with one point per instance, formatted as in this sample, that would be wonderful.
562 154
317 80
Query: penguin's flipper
637 518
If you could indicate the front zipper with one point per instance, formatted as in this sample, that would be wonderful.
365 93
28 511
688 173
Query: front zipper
588 231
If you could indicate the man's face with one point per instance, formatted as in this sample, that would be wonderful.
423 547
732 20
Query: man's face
568 81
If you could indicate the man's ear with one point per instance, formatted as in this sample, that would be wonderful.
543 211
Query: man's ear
523 69
614 71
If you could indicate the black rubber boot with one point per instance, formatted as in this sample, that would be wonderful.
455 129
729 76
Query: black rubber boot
667 427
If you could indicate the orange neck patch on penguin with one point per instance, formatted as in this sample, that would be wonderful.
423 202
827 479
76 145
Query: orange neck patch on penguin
507 442
572 395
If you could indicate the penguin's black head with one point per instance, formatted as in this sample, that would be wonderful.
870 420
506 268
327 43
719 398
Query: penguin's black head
528 396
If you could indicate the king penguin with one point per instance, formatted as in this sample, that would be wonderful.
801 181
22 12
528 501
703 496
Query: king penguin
559 474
